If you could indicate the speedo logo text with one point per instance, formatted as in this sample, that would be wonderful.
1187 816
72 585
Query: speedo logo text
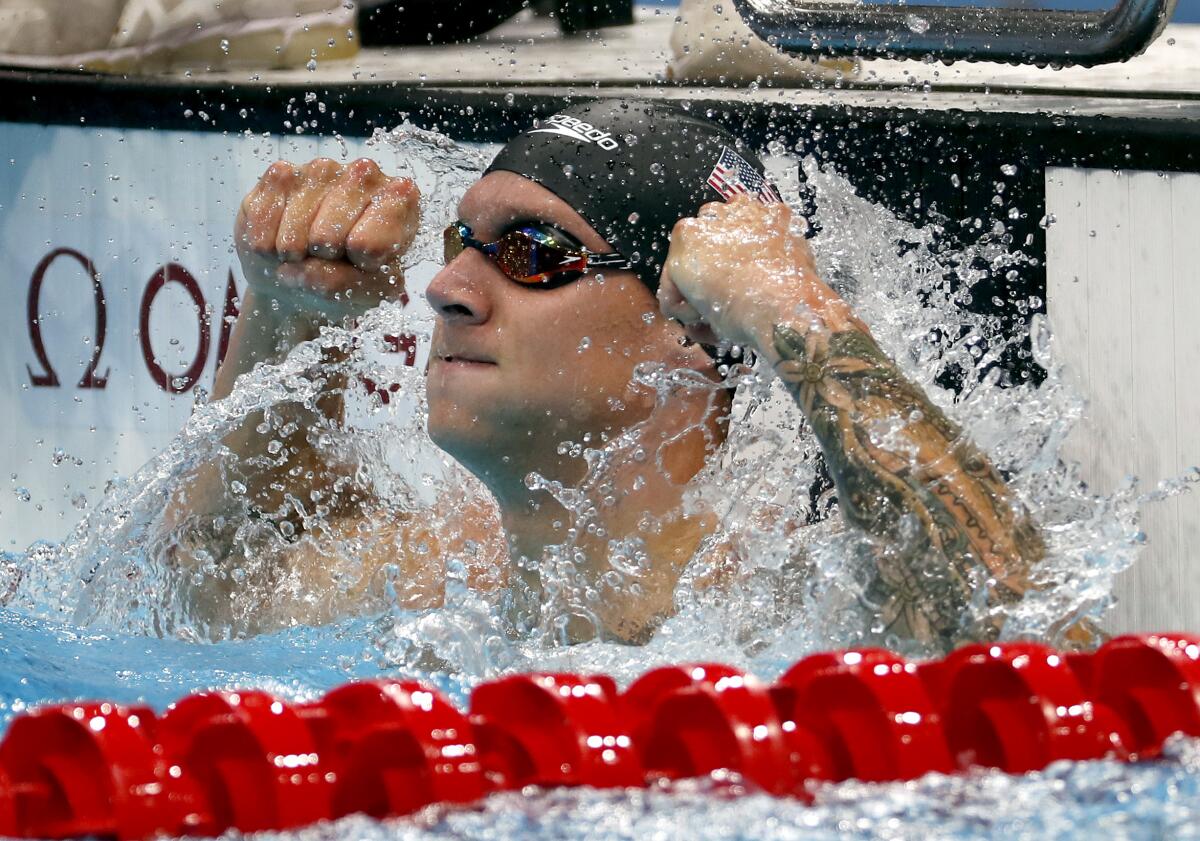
577 129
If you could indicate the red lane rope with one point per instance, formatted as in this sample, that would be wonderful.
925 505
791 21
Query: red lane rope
250 761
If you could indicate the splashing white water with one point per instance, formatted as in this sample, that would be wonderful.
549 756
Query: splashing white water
798 586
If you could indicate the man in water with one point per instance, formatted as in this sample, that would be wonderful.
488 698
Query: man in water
609 235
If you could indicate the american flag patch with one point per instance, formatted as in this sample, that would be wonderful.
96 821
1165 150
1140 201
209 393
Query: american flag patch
733 175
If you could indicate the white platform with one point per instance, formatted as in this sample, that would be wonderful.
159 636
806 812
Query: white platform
530 51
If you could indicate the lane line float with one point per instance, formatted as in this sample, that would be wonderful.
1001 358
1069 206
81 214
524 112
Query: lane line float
249 761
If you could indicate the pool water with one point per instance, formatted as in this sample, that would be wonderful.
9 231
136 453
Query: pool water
101 615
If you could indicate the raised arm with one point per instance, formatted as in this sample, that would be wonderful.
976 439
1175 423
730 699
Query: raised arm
319 244
945 522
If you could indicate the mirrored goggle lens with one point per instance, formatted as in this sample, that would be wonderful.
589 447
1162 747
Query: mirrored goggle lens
523 256
528 258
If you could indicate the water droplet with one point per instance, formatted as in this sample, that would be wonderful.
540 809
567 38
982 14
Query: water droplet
917 24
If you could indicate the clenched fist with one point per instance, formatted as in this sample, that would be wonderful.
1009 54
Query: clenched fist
326 238
737 269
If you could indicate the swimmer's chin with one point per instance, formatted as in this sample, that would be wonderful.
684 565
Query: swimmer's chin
453 425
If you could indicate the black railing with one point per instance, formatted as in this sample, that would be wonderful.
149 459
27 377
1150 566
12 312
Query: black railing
1017 36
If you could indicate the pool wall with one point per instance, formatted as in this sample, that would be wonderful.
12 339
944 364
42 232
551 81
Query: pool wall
118 198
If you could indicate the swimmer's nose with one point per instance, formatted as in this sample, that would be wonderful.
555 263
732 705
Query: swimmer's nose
456 294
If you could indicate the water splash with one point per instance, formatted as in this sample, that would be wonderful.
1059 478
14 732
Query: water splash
790 579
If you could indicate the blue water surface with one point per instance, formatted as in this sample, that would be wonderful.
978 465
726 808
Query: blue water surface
42 663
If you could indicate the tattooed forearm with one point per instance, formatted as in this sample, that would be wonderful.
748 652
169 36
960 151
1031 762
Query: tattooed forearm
948 525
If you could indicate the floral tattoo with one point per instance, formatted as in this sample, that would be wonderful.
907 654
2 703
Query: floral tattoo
947 524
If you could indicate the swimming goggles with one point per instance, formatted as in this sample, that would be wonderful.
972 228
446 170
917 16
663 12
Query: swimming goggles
534 254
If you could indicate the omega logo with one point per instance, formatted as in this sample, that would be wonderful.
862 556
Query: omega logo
43 375
174 273
48 377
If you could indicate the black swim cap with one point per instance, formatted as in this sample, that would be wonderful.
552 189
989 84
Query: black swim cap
634 169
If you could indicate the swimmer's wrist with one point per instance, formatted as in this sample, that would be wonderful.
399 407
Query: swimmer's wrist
287 307
275 321
765 311
802 313
266 331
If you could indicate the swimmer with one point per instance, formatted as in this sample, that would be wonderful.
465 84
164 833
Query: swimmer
642 234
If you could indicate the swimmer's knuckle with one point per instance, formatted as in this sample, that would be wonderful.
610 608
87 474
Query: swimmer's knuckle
362 168
401 191
409 186
368 245
326 228
321 169
279 173
321 163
